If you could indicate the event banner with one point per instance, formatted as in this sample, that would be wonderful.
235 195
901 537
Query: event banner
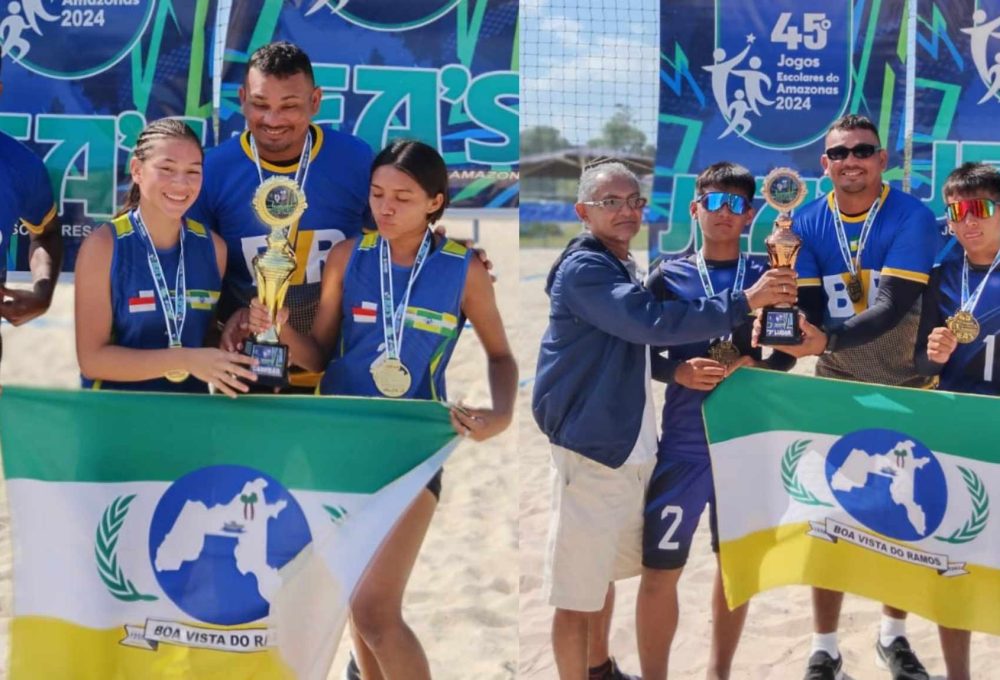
760 83
878 491
196 536
81 80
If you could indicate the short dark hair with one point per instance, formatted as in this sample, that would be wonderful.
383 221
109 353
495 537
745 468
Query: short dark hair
282 60
854 121
728 177
421 162
972 178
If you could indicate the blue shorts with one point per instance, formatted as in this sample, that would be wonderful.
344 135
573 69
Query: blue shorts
677 495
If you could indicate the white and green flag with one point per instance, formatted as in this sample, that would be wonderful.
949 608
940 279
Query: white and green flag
884 492
179 536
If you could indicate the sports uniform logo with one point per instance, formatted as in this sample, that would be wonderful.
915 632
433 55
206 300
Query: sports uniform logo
897 493
386 15
102 32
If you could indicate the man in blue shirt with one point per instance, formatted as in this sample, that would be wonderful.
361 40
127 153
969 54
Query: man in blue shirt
279 98
26 198
593 400
867 251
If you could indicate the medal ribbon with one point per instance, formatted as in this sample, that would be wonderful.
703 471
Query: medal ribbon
706 282
392 317
301 172
854 265
174 310
969 302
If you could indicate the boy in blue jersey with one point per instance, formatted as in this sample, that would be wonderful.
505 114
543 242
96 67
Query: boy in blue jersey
681 484
867 251
26 198
960 319
965 280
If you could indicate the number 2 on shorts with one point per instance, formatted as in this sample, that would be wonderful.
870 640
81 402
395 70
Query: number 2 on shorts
678 513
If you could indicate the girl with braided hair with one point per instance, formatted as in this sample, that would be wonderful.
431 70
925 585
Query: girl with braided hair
148 282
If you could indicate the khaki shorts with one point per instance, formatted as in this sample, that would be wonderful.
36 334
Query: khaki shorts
595 533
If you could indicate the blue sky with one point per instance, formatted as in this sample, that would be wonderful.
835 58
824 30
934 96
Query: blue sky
583 58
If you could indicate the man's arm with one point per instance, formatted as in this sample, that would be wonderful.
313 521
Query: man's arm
895 298
595 291
45 254
930 318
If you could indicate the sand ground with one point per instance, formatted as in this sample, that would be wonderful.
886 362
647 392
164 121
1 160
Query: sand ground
462 599
775 642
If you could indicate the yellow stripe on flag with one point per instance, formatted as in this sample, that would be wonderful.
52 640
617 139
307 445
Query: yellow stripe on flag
786 555
89 654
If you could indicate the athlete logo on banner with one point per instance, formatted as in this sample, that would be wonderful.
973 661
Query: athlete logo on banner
987 61
781 71
36 37
386 15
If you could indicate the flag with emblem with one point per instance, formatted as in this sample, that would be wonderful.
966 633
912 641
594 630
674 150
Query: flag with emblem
860 488
441 323
202 299
160 535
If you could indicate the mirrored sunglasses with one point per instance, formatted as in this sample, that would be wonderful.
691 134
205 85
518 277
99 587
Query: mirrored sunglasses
977 207
615 204
862 151
714 200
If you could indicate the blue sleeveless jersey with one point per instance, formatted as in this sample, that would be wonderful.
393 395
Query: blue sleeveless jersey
970 367
25 196
683 428
137 316
433 321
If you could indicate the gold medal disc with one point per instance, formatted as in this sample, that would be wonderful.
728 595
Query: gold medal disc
964 326
725 352
177 376
391 377
854 289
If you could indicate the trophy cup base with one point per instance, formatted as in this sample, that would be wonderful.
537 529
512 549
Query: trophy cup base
780 326
272 362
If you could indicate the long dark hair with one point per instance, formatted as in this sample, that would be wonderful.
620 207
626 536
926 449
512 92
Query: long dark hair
164 128
421 162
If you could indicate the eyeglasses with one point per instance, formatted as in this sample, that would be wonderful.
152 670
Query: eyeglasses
615 204
977 207
860 151
714 200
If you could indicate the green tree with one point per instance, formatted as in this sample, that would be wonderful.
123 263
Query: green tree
542 138
620 134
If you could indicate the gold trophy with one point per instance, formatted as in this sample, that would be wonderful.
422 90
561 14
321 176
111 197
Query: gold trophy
278 203
783 190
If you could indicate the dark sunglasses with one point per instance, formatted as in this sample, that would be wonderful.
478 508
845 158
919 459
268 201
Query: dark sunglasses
714 200
979 208
862 151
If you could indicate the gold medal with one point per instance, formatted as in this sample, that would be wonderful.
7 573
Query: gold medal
964 326
854 288
391 377
177 376
725 352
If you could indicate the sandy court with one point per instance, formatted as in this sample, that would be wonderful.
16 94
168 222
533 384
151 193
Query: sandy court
775 642
462 599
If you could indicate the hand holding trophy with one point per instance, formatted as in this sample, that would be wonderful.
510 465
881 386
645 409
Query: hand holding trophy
783 190
278 203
